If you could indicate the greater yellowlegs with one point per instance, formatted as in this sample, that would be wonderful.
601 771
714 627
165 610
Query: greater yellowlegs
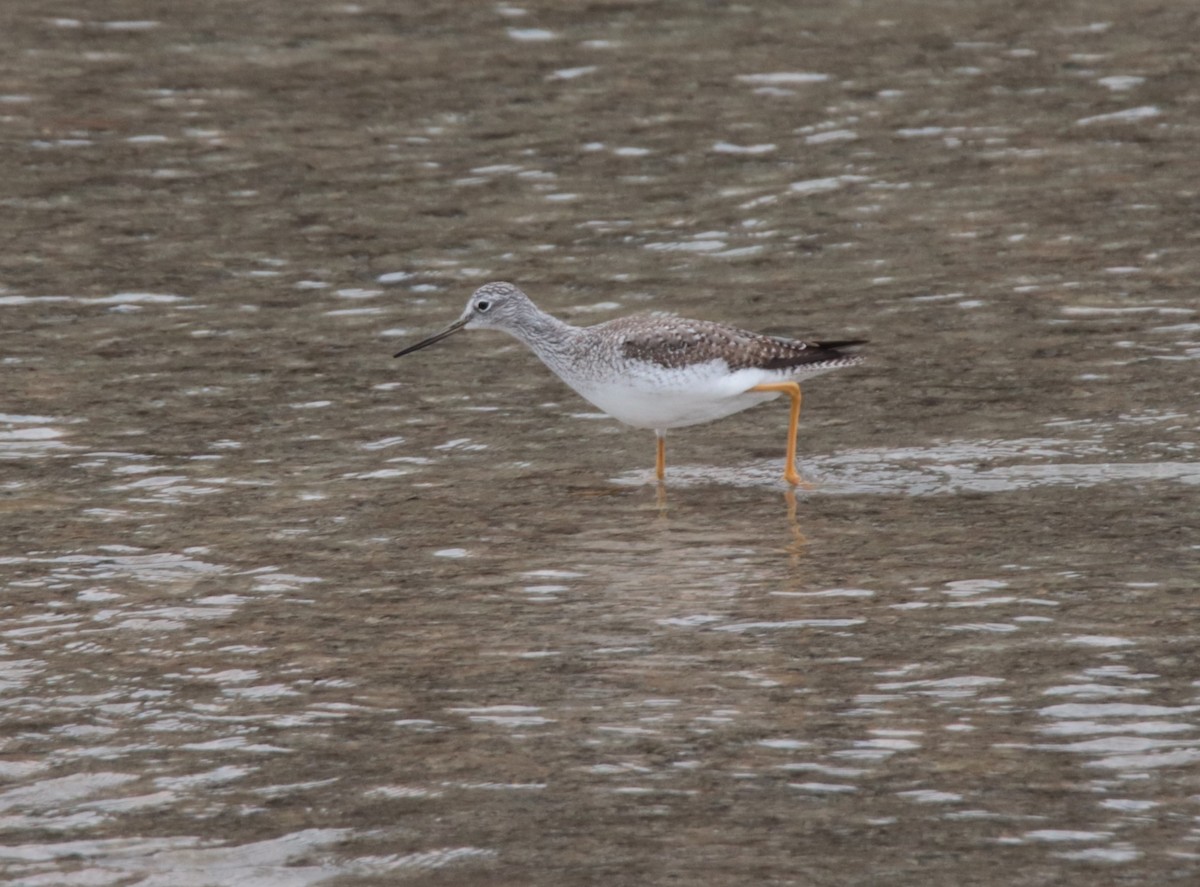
657 371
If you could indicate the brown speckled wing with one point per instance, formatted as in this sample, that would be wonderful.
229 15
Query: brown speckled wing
675 342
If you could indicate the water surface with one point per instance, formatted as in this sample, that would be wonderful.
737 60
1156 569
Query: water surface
279 610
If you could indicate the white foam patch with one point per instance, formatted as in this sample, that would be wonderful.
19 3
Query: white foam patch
783 78
750 150
297 859
531 35
984 466
1129 115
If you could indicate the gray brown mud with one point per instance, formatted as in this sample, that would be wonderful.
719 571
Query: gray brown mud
281 611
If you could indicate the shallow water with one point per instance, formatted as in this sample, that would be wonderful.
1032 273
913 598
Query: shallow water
279 610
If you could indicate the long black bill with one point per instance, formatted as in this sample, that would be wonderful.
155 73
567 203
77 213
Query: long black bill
448 331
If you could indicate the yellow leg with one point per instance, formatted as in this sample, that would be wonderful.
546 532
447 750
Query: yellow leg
792 390
660 463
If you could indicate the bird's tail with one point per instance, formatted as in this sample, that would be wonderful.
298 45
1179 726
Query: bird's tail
847 343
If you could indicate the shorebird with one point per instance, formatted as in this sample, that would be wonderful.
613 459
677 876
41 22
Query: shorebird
657 371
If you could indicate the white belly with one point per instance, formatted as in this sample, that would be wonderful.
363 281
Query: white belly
662 399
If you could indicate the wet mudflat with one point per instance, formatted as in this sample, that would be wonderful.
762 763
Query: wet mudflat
279 610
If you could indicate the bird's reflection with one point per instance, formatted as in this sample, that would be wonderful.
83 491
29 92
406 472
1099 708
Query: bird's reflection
798 540
795 536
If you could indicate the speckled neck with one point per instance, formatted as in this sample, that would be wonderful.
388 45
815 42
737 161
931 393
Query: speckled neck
545 335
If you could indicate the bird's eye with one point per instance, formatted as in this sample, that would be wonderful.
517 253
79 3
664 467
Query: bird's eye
482 305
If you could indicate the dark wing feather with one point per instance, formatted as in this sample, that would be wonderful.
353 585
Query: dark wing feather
675 342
